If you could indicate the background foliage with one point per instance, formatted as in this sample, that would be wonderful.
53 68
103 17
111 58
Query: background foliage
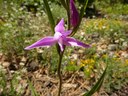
23 22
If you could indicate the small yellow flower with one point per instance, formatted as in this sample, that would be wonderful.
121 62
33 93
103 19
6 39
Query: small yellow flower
72 62
88 70
87 62
90 67
105 56
94 56
82 65
126 61
92 61
116 59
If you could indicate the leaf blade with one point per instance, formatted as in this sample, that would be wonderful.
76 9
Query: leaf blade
97 86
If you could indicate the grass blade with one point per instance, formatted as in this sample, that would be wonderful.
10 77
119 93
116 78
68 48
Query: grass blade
34 93
97 86
49 13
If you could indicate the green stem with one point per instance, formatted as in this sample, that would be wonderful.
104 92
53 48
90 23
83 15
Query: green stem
68 13
59 72
63 3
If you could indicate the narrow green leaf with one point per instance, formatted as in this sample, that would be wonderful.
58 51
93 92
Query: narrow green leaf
3 82
49 13
63 3
34 93
83 9
97 86
68 13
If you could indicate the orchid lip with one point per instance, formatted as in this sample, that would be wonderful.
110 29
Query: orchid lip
57 35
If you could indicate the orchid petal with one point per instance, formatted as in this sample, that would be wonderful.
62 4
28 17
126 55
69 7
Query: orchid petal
63 41
66 33
47 41
74 14
74 42
60 26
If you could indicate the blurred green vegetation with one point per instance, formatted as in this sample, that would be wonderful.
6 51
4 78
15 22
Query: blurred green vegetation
23 22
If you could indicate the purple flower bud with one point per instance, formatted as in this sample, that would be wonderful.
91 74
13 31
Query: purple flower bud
74 14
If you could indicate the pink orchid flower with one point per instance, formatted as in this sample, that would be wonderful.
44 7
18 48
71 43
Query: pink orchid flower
61 37
74 14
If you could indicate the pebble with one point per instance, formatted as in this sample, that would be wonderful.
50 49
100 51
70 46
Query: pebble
81 51
22 64
112 47
19 77
5 64
74 56
11 71
24 70
95 35
124 45
81 74
114 94
101 50
117 41
1 67
111 54
125 55
104 46
68 85
23 59
39 50
122 39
